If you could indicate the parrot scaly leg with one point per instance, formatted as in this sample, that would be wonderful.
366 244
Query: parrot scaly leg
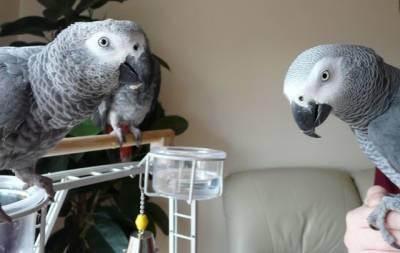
138 135
378 216
29 176
117 130
120 136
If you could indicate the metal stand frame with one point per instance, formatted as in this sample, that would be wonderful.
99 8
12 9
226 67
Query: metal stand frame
67 180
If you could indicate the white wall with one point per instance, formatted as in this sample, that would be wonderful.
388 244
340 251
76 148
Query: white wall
9 11
228 60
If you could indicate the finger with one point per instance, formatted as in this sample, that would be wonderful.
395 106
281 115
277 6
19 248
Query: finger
374 195
369 240
357 218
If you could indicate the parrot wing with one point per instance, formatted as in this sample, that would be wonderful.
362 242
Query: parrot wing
15 90
384 133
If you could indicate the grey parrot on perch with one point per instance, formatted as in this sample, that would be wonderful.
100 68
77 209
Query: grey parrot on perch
128 106
46 90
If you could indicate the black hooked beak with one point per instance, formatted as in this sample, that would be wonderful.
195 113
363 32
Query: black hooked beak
136 72
308 118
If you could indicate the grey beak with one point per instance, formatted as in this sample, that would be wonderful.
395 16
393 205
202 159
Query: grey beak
308 118
136 72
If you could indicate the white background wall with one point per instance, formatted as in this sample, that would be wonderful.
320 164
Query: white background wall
228 60
8 11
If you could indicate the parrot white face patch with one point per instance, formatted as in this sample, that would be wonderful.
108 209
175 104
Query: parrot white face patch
114 48
321 85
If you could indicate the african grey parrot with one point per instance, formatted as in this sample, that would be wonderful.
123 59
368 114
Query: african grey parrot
363 91
46 90
129 105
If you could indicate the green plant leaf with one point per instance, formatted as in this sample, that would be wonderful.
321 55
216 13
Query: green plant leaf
162 62
129 197
156 113
55 9
53 4
57 243
157 214
174 122
100 3
91 4
34 25
106 236
127 225
53 164
26 44
87 127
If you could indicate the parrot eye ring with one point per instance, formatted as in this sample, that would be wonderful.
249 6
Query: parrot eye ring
104 42
136 47
325 75
301 98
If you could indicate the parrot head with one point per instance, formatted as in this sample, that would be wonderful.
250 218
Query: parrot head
332 78
104 54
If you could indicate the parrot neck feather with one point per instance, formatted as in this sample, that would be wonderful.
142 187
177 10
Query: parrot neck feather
362 108
63 93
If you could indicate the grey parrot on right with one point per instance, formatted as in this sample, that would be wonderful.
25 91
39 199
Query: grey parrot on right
357 86
128 106
47 90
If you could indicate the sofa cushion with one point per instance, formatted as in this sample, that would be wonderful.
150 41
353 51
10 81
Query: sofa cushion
288 210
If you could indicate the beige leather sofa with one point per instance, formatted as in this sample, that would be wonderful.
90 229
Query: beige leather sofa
291 210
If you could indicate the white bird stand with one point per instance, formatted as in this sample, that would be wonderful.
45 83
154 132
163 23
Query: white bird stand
184 174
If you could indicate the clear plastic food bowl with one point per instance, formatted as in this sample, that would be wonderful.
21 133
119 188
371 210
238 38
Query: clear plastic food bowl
187 173
22 206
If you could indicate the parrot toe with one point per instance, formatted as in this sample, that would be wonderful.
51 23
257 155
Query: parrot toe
120 136
30 178
138 136
378 216
47 184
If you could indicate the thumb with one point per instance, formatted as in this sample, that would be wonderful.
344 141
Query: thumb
374 196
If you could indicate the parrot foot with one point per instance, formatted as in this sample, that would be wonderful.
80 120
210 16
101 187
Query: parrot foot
377 218
120 136
137 134
31 178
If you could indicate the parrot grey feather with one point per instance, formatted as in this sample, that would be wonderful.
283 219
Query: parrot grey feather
14 87
384 133
363 91
131 106
46 90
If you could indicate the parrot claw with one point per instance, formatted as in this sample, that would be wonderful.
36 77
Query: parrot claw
120 136
378 216
138 136
31 178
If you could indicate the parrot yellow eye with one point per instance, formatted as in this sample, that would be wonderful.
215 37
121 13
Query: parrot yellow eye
325 76
104 42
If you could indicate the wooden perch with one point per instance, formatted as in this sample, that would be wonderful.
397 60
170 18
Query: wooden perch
82 144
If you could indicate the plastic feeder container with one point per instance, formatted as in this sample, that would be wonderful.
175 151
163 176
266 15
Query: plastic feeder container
186 173
22 205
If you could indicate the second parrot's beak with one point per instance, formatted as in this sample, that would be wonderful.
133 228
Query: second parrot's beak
135 72
308 118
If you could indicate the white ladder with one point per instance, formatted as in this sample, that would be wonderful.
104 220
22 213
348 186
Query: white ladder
174 235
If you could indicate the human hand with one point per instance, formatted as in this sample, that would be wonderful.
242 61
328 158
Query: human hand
359 237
